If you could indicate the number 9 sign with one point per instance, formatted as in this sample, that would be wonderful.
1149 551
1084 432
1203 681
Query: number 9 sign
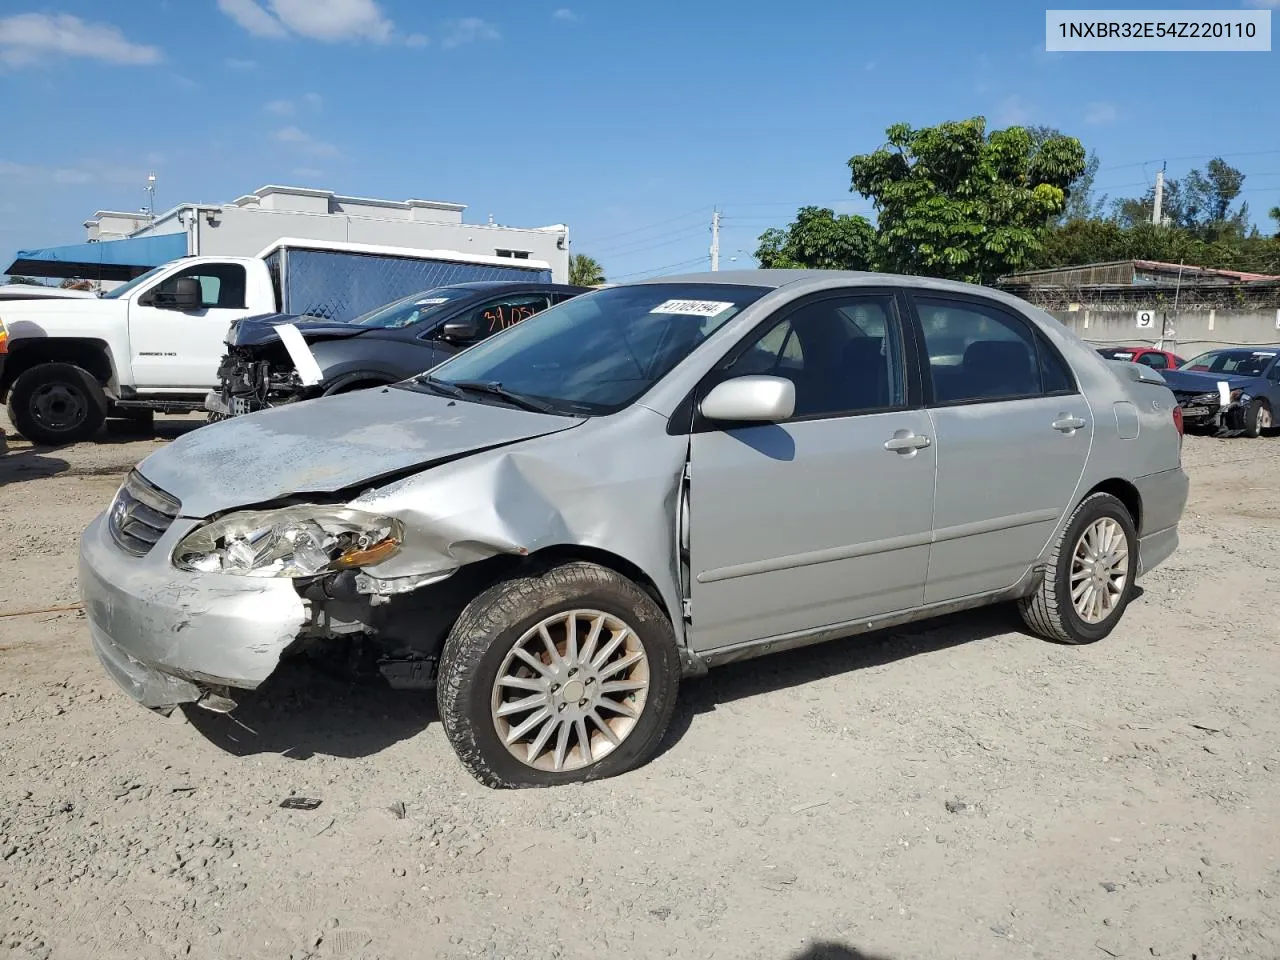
1146 318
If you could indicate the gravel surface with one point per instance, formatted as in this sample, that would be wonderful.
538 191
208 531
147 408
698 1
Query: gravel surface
954 790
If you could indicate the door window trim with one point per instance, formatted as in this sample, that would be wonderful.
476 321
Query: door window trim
686 419
965 299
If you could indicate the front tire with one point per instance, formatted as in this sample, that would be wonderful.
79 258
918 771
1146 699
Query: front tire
562 677
1258 419
55 404
1090 577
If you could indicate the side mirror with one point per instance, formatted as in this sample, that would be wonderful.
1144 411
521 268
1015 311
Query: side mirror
753 399
183 294
462 330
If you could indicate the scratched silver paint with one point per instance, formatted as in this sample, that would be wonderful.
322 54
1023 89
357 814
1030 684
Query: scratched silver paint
504 481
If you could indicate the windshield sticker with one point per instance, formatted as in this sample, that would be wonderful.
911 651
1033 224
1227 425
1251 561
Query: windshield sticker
692 308
432 302
1122 356
1262 353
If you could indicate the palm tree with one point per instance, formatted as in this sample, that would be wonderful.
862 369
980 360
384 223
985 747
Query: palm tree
585 271
1274 214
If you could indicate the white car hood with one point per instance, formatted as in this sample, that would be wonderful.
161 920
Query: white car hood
330 444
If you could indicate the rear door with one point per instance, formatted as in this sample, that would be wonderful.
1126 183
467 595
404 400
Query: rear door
1013 434
825 518
180 351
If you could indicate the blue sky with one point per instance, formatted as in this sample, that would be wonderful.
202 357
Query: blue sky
628 121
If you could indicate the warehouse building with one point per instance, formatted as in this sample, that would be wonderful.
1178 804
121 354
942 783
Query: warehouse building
122 245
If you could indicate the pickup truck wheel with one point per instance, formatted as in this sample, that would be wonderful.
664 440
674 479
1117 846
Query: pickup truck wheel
1090 577
54 404
559 678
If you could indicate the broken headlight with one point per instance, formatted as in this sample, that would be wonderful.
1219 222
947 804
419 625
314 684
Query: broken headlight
291 542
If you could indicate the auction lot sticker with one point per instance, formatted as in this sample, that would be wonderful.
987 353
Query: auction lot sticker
692 308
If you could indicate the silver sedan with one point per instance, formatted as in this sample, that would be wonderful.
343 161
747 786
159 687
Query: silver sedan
555 526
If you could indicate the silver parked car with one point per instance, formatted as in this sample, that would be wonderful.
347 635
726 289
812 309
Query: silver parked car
555 526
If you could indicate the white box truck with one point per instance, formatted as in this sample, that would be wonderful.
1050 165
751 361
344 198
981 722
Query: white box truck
155 343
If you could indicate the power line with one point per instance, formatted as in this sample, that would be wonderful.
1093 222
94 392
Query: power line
657 270
701 211
651 243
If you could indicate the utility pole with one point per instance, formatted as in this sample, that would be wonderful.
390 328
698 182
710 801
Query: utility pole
1157 207
715 239
151 196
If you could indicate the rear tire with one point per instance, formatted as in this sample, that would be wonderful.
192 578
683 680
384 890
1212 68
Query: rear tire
1090 577
55 404
625 652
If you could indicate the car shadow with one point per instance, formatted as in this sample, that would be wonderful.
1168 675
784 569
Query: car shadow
828 950
794 668
128 431
18 466
301 712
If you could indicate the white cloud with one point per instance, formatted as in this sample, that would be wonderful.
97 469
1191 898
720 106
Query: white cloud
281 108
1101 112
253 18
314 100
85 172
305 142
564 13
469 30
1012 111
30 38
330 21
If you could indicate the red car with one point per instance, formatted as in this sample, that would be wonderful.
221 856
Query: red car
1160 359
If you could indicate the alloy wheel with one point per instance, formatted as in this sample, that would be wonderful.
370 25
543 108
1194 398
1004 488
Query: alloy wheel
1099 570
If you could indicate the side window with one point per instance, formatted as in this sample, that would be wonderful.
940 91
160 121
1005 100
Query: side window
844 356
222 285
507 312
979 353
1157 360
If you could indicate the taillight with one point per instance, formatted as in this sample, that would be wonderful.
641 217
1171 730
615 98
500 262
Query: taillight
1177 418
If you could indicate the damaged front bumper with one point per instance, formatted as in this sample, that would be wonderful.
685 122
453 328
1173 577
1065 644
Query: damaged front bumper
169 637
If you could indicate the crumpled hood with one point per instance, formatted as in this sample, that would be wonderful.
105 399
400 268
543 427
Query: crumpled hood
70 316
255 331
330 444
1206 382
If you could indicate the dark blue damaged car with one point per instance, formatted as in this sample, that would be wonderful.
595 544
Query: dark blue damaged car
1235 389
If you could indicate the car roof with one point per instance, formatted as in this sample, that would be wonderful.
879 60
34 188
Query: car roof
793 279
482 285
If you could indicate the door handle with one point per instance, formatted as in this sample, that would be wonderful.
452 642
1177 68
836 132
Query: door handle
1067 423
906 443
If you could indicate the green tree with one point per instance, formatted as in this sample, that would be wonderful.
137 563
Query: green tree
1200 202
1082 202
26 281
819 239
956 202
584 271
1274 214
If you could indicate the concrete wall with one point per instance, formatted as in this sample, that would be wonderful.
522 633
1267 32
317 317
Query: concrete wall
1186 333
243 231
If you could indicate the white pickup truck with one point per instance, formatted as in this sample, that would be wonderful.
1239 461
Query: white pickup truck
155 343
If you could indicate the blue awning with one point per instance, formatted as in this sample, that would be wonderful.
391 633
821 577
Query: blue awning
102 259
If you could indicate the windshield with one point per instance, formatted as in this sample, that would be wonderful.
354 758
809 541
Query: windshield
412 309
133 284
1240 363
598 352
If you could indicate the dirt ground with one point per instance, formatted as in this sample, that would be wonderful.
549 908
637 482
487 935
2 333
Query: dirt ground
955 790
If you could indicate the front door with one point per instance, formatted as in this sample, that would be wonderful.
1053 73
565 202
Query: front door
825 518
1013 434
181 350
